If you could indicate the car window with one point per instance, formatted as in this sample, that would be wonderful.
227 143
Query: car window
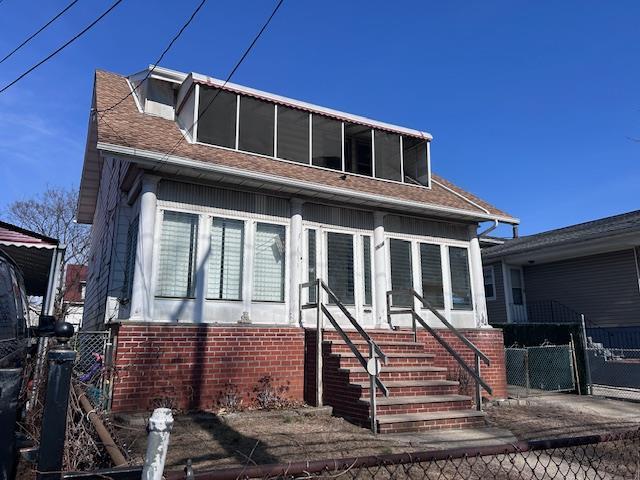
8 306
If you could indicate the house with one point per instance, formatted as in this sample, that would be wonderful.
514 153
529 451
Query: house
74 289
213 203
40 260
588 269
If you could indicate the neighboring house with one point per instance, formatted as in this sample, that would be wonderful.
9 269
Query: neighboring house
74 290
588 269
211 204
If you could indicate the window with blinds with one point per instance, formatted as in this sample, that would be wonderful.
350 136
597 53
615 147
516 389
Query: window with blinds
430 263
225 259
460 280
311 263
269 263
340 266
401 272
177 255
366 258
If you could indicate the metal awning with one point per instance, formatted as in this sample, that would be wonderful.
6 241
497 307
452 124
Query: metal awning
39 258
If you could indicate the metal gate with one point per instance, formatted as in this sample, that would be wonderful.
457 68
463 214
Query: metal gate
540 370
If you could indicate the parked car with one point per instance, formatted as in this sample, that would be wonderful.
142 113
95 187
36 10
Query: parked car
14 315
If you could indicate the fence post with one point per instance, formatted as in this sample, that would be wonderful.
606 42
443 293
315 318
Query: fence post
373 365
160 425
587 363
526 370
318 345
54 417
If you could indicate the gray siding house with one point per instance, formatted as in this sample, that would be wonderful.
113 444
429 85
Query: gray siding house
588 269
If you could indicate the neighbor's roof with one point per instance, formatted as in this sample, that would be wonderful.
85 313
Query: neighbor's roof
583 232
126 130
17 236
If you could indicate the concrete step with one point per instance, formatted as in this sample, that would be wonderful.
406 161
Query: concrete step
422 372
403 388
409 399
348 359
420 404
415 422
388 347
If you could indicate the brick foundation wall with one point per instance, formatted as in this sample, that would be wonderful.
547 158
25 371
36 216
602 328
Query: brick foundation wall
193 364
488 340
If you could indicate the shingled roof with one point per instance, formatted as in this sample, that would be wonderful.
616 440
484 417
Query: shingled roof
127 127
583 232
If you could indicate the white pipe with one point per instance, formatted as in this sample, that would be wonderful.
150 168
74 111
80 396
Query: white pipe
160 425
488 230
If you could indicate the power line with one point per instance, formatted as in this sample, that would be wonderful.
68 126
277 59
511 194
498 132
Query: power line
173 40
62 47
233 71
32 36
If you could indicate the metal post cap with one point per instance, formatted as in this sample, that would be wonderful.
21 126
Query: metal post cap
63 331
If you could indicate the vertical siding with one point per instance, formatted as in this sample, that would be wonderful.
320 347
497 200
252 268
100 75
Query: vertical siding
192 196
603 287
425 228
103 241
343 217
497 309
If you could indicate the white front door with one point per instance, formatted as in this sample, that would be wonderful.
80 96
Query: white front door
343 260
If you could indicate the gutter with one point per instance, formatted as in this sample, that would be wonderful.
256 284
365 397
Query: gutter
156 159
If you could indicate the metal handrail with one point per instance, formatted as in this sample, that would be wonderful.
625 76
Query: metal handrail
374 350
416 318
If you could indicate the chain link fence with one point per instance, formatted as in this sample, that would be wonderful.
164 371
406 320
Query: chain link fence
613 456
539 370
615 372
90 367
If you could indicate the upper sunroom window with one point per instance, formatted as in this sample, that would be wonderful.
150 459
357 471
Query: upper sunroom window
245 123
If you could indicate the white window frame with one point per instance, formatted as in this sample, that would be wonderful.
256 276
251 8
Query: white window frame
205 215
444 244
490 268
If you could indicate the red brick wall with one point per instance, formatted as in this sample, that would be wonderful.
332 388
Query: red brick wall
488 340
192 364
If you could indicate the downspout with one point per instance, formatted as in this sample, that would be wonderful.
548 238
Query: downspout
488 230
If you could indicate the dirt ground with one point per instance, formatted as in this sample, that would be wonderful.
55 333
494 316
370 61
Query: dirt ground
248 438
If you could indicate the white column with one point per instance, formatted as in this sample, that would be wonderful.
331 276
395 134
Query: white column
295 263
142 291
379 269
477 279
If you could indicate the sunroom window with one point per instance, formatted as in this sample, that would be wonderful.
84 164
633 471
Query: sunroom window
358 154
460 280
225 260
293 134
366 259
327 142
340 266
430 262
217 117
269 263
177 254
257 121
387 148
414 156
401 272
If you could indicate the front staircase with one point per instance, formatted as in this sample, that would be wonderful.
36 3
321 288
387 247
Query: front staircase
421 397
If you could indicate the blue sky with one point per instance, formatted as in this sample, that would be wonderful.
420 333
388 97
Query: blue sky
533 105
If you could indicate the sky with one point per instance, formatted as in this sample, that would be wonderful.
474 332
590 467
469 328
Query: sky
534 106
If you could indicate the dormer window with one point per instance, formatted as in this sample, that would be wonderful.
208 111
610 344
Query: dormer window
316 138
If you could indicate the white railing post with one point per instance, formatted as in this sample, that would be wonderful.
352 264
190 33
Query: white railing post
160 425
318 345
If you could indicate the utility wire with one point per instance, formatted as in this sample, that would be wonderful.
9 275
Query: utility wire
32 36
62 47
151 70
233 71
